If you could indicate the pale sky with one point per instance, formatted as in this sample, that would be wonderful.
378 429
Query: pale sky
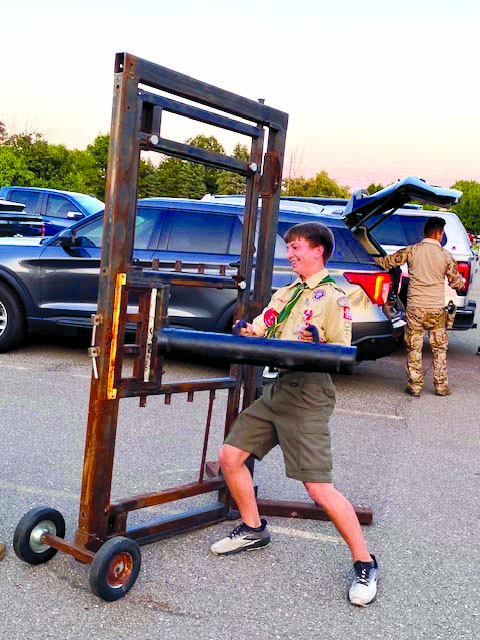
375 89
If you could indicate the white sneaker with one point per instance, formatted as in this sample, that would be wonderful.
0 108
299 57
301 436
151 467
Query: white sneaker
363 589
242 538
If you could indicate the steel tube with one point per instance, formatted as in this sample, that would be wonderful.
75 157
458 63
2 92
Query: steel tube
287 354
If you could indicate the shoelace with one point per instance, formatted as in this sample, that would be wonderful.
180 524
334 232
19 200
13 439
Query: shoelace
361 573
240 530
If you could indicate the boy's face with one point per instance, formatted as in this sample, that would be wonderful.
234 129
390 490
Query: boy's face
304 259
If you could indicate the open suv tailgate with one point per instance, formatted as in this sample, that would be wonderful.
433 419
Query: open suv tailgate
362 206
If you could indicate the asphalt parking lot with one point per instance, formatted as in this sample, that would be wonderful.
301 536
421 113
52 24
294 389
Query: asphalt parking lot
416 462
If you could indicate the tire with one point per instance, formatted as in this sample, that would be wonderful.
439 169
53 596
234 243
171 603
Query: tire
26 540
12 319
115 568
346 369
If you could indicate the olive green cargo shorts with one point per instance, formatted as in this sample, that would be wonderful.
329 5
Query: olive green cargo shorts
293 412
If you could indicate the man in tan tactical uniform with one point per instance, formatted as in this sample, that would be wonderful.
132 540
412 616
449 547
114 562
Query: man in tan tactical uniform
295 410
428 265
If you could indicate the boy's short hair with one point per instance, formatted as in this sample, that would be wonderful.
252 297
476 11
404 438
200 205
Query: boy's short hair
316 233
433 224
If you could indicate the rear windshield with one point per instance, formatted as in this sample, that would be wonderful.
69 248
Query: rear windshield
400 230
347 247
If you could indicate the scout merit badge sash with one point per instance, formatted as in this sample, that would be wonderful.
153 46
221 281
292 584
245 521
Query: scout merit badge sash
285 312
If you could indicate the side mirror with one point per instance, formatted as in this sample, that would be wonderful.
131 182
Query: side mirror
74 215
65 239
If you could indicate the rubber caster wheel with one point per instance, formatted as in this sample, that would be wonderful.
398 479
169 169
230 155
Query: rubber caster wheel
115 568
27 542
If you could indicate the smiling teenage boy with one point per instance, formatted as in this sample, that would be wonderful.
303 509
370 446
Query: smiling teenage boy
294 411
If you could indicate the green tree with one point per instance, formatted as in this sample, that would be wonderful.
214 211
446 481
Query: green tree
177 179
468 209
211 175
373 188
229 182
320 185
13 169
44 164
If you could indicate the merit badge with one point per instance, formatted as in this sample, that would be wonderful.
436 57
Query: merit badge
342 301
319 294
307 315
269 317
347 314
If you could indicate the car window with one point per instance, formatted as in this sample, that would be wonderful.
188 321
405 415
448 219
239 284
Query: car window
60 207
347 247
90 235
199 233
236 240
29 199
148 226
389 231
147 229
400 230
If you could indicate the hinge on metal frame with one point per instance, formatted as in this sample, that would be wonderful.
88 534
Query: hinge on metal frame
93 351
271 176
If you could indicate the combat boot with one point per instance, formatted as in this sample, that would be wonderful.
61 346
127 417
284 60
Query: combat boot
442 391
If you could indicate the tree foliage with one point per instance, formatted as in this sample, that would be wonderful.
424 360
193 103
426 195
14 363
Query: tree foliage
27 159
320 185
468 209
373 188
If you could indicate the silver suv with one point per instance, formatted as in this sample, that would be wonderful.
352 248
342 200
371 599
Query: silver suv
405 227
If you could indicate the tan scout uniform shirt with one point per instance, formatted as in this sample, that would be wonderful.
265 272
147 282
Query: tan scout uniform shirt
428 264
322 305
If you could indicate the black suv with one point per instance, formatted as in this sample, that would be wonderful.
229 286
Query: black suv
51 285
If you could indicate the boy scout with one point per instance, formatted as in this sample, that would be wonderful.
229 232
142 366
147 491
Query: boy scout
428 265
294 411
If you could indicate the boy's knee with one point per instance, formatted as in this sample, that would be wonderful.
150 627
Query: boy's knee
230 457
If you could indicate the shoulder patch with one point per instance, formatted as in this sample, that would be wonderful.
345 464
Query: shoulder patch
343 301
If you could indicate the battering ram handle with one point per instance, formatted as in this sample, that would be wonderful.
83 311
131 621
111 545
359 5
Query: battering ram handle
285 354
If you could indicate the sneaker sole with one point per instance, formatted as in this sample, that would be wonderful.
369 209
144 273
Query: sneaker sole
362 604
258 545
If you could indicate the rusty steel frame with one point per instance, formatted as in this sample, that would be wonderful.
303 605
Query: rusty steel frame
136 126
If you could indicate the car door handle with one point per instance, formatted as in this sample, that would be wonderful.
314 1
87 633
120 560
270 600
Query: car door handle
237 264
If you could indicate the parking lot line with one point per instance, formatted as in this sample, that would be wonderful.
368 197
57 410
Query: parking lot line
291 532
370 414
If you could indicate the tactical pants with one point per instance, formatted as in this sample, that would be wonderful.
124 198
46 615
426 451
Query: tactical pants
419 321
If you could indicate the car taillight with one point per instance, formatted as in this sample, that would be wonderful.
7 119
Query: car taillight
464 271
43 229
375 285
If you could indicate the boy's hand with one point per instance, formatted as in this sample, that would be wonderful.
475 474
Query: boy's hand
310 334
242 328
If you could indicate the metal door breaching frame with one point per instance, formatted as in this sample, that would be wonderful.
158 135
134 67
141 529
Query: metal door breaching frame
136 125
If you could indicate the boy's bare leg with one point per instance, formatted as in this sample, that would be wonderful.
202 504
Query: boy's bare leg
240 483
343 516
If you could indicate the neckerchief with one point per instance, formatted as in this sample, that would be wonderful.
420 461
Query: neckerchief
285 312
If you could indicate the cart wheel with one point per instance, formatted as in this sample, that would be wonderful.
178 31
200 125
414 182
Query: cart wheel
27 542
115 568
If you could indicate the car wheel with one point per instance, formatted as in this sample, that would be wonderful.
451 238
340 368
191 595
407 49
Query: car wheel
12 319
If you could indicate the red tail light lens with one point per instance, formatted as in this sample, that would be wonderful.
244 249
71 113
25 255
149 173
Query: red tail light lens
464 271
43 229
375 285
